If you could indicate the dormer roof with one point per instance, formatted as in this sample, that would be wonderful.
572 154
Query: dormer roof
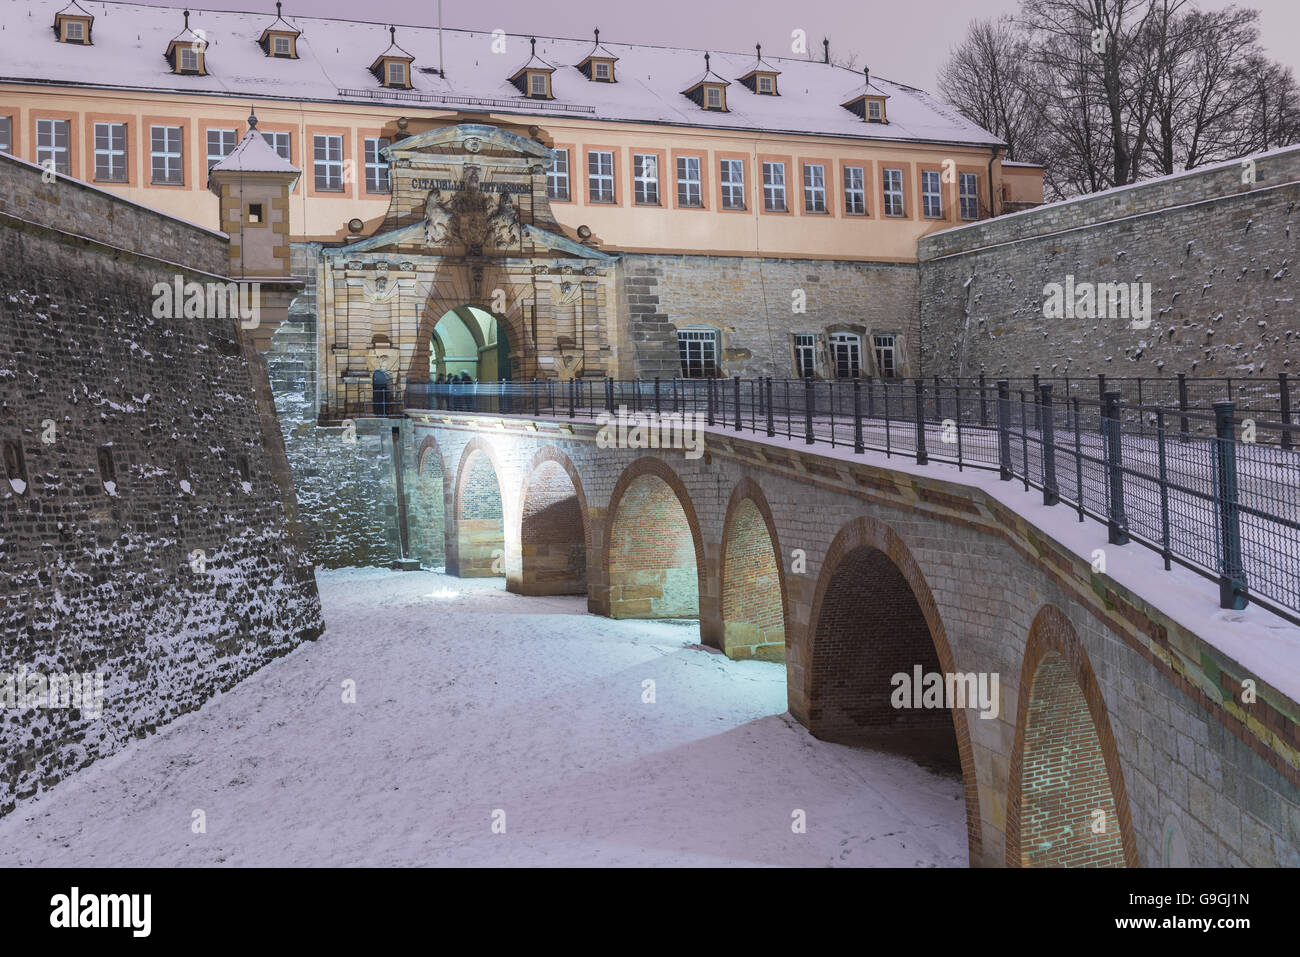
73 11
534 64
394 52
279 25
707 77
865 92
597 52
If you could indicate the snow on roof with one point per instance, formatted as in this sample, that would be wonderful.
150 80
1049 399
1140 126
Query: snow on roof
254 154
334 56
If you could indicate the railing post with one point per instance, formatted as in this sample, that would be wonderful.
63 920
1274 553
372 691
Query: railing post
534 396
984 410
1232 577
1038 408
1285 397
1116 521
573 388
1004 430
857 417
656 395
708 395
771 423
1047 436
871 397
807 411
922 457
609 394
735 391
938 402
1164 486
1182 405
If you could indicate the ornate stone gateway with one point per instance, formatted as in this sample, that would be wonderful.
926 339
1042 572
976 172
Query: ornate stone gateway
469 232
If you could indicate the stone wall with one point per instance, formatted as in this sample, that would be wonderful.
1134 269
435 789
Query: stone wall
1217 249
146 516
753 303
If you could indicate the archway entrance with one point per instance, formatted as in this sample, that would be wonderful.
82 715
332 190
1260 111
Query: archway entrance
469 341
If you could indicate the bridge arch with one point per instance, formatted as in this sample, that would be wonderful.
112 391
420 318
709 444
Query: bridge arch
754 600
1064 766
480 508
654 552
554 529
873 616
428 509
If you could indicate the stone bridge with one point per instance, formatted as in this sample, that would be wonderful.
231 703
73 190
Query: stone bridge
1135 723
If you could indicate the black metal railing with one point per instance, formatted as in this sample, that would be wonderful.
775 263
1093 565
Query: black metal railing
1215 490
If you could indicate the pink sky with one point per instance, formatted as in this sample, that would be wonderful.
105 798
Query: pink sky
905 41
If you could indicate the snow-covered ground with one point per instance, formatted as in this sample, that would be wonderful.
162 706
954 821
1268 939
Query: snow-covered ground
470 701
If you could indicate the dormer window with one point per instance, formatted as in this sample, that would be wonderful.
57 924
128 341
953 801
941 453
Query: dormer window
598 65
761 77
875 111
187 52
280 39
709 92
533 79
392 68
868 101
72 25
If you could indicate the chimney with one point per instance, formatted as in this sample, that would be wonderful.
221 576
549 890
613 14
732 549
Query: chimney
826 51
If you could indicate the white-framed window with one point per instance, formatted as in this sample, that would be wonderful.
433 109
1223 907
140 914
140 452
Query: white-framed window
875 111
600 176
805 355
166 155
774 187
328 156
969 188
557 178
74 30
52 144
893 182
537 84
698 349
376 166
600 69
281 46
733 184
855 191
713 97
396 74
6 134
189 60
814 188
886 348
846 354
221 143
931 194
645 175
280 143
689 192
765 85
110 152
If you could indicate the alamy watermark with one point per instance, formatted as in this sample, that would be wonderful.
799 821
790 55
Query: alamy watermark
652 430
26 690
923 689
1099 300
179 299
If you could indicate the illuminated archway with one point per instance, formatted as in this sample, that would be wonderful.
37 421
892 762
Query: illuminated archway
480 515
753 579
428 506
553 533
469 340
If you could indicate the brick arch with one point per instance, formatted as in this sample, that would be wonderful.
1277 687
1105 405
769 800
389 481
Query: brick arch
479 519
646 592
755 604
1061 707
428 506
868 545
554 527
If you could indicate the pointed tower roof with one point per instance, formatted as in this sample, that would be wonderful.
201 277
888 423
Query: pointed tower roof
253 154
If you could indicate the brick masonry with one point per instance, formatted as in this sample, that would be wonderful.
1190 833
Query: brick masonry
147 524
1175 741
1219 254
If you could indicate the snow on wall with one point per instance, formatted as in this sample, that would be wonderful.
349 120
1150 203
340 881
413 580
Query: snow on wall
1217 247
145 535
